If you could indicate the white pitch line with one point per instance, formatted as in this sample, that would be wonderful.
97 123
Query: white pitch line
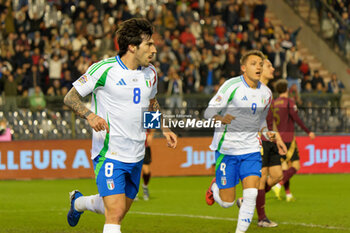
183 215
234 220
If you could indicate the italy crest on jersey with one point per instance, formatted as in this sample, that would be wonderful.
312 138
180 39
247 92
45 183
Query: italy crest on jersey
223 180
110 184
148 82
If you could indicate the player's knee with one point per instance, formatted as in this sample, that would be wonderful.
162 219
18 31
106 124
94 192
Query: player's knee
277 178
114 218
296 166
115 215
225 204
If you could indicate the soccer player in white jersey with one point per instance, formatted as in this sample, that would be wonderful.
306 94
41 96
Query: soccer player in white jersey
241 104
271 171
122 87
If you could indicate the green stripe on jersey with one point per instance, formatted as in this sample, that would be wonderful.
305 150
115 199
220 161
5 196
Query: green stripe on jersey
102 80
218 161
100 83
232 95
103 152
97 63
93 70
229 84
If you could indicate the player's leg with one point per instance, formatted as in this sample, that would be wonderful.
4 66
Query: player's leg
289 196
277 187
80 203
118 184
288 172
246 212
93 203
222 187
275 175
269 174
275 169
260 200
250 173
146 173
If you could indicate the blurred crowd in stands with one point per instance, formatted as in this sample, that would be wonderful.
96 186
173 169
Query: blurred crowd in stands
336 29
45 45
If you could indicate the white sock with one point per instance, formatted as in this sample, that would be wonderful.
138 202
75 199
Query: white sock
111 228
278 185
289 195
246 211
93 203
216 195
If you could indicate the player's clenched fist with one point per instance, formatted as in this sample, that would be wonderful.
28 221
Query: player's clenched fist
97 123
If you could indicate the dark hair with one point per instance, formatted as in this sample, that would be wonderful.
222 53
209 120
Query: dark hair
281 86
130 32
251 53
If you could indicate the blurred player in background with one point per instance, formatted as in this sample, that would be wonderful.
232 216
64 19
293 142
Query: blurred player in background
241 104
146 168
285 113
271 172
122 87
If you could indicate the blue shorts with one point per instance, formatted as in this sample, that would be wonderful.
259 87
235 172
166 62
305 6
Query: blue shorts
115 177
231 168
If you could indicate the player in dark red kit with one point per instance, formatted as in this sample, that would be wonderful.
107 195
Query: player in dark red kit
285 113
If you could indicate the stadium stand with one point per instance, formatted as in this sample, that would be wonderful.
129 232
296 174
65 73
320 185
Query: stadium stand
49 44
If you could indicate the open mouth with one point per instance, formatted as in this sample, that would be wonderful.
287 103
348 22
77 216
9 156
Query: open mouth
258 73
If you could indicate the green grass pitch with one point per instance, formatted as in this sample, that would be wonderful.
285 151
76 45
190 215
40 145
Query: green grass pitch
177 204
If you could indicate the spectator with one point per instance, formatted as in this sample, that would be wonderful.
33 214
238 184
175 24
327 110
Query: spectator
55 68
306 83
259 12
329 27
36 100
55 89
335 86
187 36
317 79
5 131
175 89
231 67
231 16
304 67
10 91
94 28
293 72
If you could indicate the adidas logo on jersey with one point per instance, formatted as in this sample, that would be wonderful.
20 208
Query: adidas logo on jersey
121 82
244 98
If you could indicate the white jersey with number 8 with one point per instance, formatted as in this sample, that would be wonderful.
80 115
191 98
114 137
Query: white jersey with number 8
119 96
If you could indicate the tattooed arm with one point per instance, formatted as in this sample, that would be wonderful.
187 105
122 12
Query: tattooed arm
168 134
153 105
75 101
